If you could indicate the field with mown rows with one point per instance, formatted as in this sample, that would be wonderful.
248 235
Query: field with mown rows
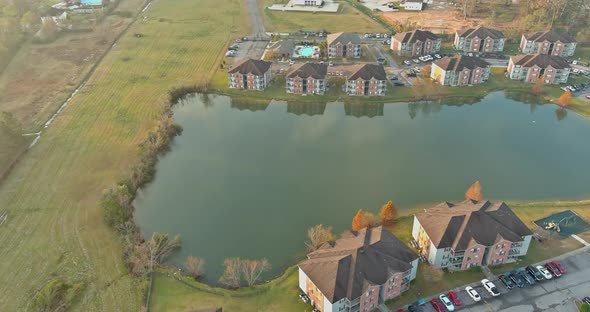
54 229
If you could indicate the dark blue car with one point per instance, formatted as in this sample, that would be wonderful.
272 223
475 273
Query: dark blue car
516 279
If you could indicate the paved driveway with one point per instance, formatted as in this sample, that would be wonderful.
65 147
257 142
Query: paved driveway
555 295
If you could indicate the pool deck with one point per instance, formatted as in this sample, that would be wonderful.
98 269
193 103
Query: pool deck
329 7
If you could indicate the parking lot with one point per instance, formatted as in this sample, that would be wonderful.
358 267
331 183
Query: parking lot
555 295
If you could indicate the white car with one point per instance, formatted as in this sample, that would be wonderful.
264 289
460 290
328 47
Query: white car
416 61
407 62
490 287
544 272
437 56
291 62
447 303
473 294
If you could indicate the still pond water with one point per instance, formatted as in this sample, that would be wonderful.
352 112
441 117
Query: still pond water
248 180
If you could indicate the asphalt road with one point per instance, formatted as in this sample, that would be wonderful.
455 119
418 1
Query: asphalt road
555 295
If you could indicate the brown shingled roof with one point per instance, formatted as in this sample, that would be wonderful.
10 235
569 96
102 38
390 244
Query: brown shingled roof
306 70
343 268
344 38
481 32
416 35
247 66
551 36
367 72
541 60
461 225
460 62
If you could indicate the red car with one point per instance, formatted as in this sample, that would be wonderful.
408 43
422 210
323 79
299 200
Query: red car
437 306
559 266
454 298
554 270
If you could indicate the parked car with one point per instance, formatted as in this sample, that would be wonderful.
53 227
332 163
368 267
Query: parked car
588 97
553 270
291 62
516 279
304 298
526 277
586 300
417 61
437 56
490 287
506 281
559 266
546 274
473 294
412 308
407 63
454 298
534 272
447 302
437 306
398 84
239 40
393 77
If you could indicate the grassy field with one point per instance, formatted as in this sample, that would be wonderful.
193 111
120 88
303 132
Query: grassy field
54 227
41 77
582 53
347 19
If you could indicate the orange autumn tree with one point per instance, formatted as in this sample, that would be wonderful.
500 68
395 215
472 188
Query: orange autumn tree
388 213
564 99
474 192
359 221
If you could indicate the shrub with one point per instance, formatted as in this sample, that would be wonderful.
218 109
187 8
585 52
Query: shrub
116 203
57 295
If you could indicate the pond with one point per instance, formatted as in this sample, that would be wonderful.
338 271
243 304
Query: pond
249 179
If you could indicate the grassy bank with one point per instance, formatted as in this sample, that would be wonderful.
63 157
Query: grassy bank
172 295
54 227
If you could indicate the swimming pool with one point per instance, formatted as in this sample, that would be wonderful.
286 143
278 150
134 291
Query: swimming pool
306 51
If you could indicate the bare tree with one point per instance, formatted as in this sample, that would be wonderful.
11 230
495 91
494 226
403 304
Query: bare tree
195 265
317 236
160 247
252 269
232 275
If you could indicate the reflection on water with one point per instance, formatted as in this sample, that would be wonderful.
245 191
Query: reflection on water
309 109
364 109
248 178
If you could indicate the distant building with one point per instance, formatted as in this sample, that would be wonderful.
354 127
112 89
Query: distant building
358 272
250 75
479 40
344 44
548 42
412 5
460 70
92 2
367 80
415 43
316 3
307 78
470 233
530 67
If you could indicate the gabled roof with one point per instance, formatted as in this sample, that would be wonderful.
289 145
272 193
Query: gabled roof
551 36
416 35
256 67
307 70
465 224
367 72
343 268
344 38
541 60
481 32
460 62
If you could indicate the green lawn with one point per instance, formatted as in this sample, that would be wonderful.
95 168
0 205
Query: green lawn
346 19
54 227
582 53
